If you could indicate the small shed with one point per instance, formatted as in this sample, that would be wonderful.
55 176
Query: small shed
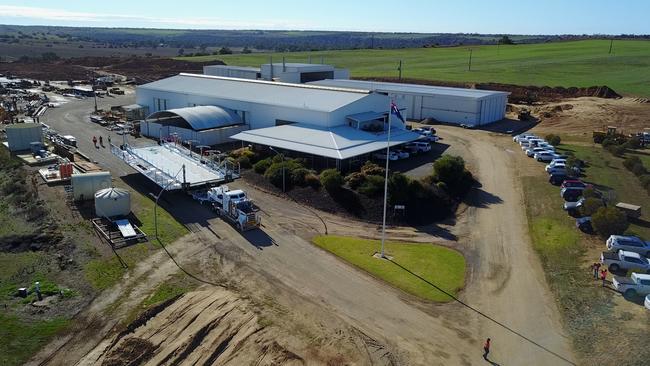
112 202
20 136
84 186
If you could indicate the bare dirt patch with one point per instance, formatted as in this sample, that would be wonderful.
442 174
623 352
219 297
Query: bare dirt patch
519 93
578 117
142 69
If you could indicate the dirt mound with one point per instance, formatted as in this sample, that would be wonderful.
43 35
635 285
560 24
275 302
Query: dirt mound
133 351
519 93
207 327
142 69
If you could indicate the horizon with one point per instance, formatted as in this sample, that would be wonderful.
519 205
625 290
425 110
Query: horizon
331 31
554 17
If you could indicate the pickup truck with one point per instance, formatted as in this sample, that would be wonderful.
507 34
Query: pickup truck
625 260
628 243
637 284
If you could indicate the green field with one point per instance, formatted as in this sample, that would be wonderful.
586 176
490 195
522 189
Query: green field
578 63
412 264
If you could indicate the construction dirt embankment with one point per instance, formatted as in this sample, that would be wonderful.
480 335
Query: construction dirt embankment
519 93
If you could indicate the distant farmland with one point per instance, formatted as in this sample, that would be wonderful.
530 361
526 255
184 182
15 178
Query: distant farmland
579 63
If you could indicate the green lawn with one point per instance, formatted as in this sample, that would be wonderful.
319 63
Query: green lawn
19 340
442 267
578 63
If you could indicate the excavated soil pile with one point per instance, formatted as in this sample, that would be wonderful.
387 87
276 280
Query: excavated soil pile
519 94
207 327
142 69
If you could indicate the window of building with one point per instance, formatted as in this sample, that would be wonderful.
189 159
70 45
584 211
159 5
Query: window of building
159 104
281 122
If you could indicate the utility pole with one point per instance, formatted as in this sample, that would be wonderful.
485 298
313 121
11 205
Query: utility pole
469 66
611 44
399 68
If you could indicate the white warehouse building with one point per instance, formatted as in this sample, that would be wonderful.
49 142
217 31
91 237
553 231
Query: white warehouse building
335 123
472 107
283 72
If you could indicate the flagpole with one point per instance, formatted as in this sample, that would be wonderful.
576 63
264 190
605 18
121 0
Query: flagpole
383 226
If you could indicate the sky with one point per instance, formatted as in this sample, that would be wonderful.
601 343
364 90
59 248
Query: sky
457 16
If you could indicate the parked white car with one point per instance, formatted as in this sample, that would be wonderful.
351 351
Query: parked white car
551 166
417 147
629 243
545 156
558 160
637 284
534 150
525 145
547 146
428 136
402 154
647 302
382 156
522 137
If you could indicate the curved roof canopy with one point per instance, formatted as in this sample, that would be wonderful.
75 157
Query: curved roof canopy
197 118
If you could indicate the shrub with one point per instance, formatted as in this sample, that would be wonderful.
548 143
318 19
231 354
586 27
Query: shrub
590 206
589 192
298 176
633 143
312 180
616 150
370 168
645 181
552 139
398 192
426 203
373 186
331 179
354 180
261 166
609 221
283 170
277 173
451 171
630 162
244 162
639 170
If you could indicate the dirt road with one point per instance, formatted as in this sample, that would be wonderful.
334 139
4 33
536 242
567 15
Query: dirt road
505 280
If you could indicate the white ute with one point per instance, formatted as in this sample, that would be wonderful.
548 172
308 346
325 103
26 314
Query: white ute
637 284
625 260
235 207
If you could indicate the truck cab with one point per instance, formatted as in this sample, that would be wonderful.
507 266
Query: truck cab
235 206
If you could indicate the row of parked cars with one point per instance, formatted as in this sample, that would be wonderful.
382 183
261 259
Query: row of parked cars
629 253
623 253
422 145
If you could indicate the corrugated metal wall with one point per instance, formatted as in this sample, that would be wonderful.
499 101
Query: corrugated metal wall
208 137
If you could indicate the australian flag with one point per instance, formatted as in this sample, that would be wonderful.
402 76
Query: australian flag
394 110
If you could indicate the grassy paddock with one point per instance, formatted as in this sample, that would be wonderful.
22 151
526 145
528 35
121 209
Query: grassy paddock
441 266
592 315
608 174
578 63
19 340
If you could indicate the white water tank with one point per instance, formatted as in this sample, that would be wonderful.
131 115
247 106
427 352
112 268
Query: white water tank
84 186
111 202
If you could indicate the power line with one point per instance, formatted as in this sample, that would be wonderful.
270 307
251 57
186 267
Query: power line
486 316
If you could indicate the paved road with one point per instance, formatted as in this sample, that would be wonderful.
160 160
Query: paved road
505 278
